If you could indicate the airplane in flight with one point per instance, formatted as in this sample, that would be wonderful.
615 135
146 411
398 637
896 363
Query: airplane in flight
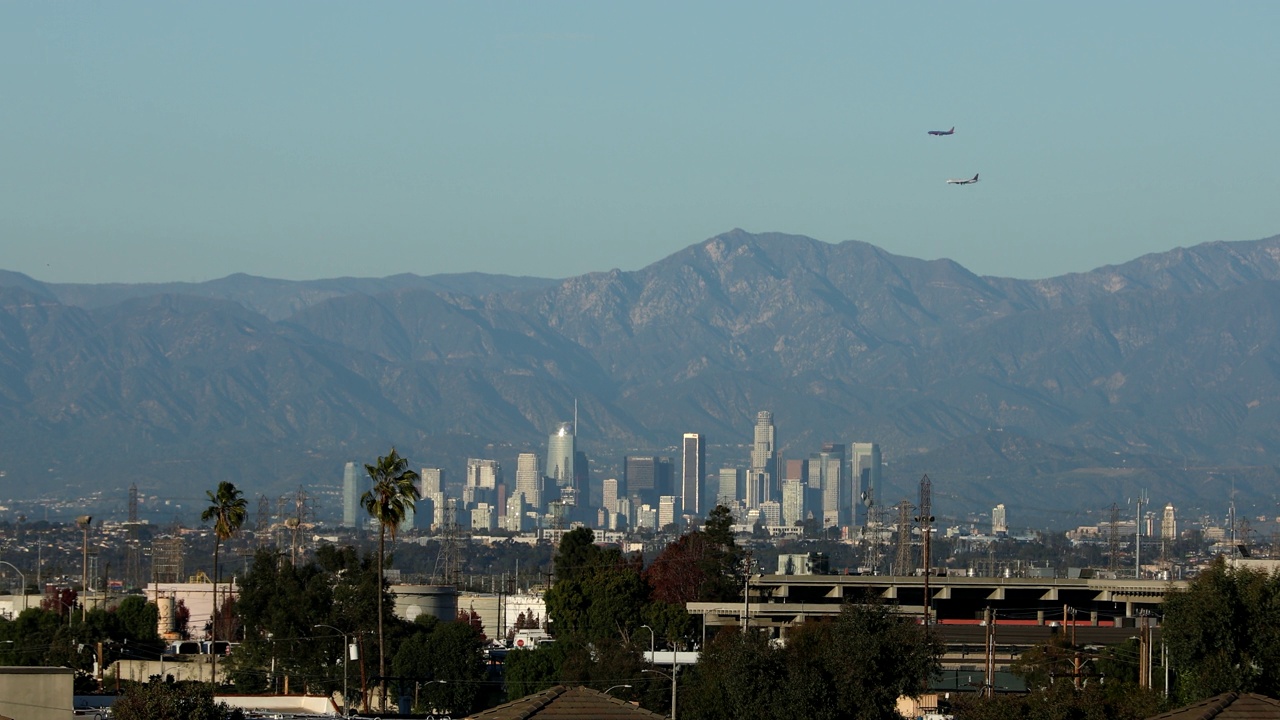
952 131
963 181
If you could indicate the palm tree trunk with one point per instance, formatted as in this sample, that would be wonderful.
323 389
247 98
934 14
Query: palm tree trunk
382 653
213 623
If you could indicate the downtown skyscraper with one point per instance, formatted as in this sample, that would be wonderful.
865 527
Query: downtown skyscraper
764 461
529 479
693 470
350 494
561 448
865 492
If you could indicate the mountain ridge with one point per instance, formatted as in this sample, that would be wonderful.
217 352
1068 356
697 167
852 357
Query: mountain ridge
1168 361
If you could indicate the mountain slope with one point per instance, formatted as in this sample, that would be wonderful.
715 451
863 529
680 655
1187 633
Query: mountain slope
1142 370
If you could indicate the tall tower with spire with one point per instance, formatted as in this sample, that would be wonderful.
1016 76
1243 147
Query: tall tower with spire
764 461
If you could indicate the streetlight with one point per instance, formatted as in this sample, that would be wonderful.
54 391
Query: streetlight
418 686
346 650
652 636
84 521
21 578
675 670
615 687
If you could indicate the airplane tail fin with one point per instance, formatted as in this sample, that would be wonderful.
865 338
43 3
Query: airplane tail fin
953 129
975 177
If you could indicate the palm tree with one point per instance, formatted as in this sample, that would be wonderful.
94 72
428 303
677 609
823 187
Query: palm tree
392 495
227 510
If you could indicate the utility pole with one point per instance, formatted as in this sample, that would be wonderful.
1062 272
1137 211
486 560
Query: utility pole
989 645
1144 652
84 521
746 597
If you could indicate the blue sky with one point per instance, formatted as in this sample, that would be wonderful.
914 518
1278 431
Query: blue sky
175 141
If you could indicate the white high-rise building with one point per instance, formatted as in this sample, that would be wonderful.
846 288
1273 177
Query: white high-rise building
438 510
999 521
793 502
516 521
668 510
432 480
827 468
1169 524
764 461
865 464
350 495
771 511
647 517
484 474
609 493
484 517
529 479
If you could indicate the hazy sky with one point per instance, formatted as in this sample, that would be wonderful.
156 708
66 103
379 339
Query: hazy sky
178 141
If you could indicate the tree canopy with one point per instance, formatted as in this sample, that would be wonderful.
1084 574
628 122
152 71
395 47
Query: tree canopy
1223 633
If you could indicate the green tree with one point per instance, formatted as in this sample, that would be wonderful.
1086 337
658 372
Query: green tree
577 554
392 495
737 678
602 599
171 701
449 653
1060 701
227 509
1223 635
279 605
868 657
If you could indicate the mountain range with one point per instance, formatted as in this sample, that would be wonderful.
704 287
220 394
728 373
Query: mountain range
1060 396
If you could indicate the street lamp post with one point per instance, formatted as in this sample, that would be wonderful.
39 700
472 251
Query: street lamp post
652 637
615 687
418 686
346 650
21 578
675 670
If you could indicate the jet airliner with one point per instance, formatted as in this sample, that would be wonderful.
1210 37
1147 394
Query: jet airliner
963 181
952 131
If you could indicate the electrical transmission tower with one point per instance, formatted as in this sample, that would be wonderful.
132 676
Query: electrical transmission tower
449 559
1113 542
262 522
902 565
872 535
303 512
133 545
